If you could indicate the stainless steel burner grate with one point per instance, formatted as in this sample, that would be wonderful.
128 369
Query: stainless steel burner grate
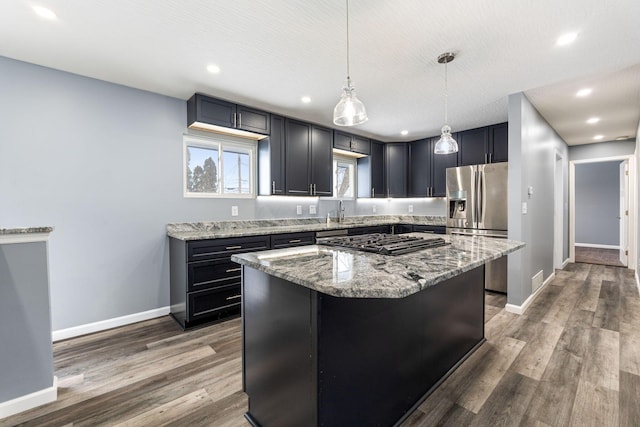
384 244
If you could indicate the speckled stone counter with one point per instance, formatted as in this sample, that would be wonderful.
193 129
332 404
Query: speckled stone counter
214 230
24 234
354 274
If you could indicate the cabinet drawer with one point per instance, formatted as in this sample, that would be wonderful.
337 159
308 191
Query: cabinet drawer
436 229
212 274
292 239
219 248
209 302
368 230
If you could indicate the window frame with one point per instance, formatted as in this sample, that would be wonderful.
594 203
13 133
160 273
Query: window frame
221 142
352 161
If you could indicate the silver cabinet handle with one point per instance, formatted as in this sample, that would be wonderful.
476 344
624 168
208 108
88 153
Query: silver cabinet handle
233 247
294 241
234 297
239 120
231 270
235 120
273 187
373 192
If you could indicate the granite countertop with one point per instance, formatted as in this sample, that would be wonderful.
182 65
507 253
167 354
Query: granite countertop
354 274
25 230
220 229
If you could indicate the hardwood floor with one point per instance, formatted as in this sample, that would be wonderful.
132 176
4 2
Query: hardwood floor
598 256
573 359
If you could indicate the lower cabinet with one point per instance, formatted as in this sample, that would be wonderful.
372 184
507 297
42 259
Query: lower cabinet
368 230
436 229
204 282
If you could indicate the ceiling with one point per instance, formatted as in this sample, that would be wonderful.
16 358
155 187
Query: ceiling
273 52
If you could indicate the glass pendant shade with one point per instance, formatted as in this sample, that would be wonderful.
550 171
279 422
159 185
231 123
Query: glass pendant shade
350 110
446 144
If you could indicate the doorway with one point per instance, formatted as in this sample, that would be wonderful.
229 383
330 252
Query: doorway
601 220
558 213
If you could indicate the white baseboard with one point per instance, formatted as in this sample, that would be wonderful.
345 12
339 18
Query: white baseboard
593 245
29 401
564 264
637 281
103 325
520 309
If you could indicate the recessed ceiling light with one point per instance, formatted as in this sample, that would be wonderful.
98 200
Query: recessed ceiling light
566 39
584 92
404 133
213 68
622 138
593 120
44 13
598 137
306 99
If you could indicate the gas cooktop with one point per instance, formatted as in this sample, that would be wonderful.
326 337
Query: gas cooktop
384 244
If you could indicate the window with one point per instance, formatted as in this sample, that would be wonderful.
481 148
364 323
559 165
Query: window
344 183
220 167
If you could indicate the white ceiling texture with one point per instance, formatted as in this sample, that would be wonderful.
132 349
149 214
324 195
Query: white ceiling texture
273 52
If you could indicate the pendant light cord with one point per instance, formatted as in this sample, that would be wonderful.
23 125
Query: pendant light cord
348 72
446 94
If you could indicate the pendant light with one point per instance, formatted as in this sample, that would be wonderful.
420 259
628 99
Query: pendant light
350 110
446 144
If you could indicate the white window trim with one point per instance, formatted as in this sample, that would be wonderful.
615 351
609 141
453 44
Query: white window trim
352 161
220 142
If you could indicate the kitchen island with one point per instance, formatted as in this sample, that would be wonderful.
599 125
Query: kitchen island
337 337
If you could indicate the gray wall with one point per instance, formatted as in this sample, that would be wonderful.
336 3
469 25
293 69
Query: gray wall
602 150
102 163
26 357
532 147
597 203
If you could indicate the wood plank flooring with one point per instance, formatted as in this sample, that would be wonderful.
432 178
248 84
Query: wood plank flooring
573 359
598 256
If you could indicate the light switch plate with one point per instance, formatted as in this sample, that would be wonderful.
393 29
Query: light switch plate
410 208
524 208
234 211
299 209
312 209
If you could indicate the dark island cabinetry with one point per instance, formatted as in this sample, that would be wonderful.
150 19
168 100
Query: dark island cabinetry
203 112
205 284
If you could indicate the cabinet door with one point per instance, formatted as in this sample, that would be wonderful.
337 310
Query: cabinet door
472 145
253 120
298 156
397 158
271 159
439 166
360 145
499 143
420 153
377 187
322 161
214 111
341 140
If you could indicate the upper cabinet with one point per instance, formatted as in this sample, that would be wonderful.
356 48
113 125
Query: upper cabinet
396 161
371 182
346 141
427 171
271 159
206 113
483 145
308 159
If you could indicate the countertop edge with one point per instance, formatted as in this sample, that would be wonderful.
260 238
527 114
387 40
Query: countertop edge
24 234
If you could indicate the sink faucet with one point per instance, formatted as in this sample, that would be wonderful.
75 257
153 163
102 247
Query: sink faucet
340 211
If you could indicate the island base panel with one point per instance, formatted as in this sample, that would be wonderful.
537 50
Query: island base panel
313 359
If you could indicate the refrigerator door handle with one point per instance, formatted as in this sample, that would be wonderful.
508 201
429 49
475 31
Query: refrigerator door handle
480 196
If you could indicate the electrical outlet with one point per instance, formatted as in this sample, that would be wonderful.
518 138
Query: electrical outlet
299 209
375 209
234 211
312 209
410 208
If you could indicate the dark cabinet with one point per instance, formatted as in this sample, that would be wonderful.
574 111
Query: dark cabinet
368 230
401 228
288 240
420 168
271 160
488 144
396 162
435 229
204 282
499 139
472 146
348 142
371 178
204 112
439 165
308 164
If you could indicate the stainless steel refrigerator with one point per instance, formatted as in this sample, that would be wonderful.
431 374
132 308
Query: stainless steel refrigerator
477 205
